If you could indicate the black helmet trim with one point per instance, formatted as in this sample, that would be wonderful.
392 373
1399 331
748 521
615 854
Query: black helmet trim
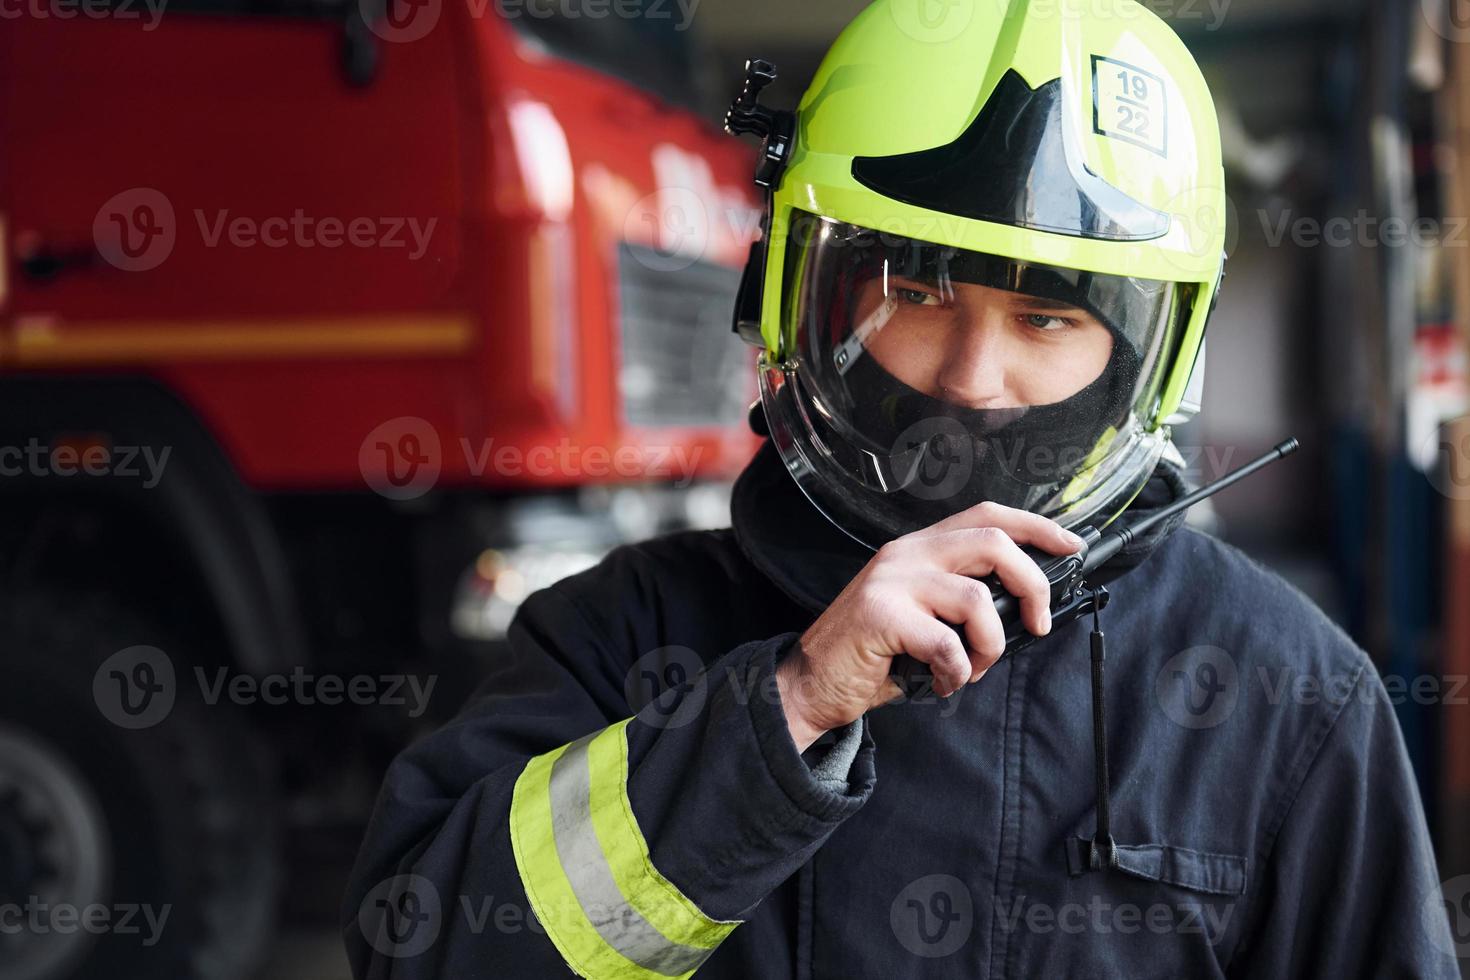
1017 165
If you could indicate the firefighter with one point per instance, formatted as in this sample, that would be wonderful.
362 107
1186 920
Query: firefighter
986 271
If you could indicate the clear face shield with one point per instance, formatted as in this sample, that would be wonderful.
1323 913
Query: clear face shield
926 379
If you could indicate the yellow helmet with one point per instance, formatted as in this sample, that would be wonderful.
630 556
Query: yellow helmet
953 165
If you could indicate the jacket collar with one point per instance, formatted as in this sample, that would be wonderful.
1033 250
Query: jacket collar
811 561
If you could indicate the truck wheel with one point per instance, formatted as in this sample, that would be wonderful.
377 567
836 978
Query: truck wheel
144 851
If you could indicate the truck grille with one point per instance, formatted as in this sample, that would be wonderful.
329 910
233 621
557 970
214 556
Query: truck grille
681 364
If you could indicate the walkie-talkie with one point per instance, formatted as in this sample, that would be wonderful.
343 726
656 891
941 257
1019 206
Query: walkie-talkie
1071 596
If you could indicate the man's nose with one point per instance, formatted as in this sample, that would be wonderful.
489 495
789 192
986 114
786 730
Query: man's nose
973 371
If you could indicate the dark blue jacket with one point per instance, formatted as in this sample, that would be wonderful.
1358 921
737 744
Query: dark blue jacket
1266 817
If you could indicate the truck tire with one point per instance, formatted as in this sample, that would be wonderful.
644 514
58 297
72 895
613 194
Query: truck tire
130 845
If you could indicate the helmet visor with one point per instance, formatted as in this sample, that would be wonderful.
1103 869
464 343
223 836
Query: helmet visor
923 379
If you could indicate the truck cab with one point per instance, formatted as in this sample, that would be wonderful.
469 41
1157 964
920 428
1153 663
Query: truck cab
328 331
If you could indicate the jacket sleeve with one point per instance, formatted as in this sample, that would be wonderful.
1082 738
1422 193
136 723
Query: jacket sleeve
1350 887
545 830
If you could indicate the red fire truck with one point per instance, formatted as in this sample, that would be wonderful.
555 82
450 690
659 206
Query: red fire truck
326 334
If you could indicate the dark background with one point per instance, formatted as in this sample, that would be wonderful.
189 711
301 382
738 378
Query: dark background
1349 112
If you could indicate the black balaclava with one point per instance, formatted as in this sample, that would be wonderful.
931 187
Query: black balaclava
941 457
1012 450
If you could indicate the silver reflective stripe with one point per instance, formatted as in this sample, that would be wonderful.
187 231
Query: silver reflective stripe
617 922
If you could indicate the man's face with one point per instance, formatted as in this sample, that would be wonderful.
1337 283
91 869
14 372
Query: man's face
979 347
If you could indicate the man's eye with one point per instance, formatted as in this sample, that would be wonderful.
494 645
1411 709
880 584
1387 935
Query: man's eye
917 297
1043 321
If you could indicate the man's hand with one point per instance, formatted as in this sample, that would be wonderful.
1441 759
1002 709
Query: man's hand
900 602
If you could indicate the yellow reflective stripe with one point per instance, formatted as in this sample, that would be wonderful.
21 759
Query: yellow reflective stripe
655 898
601 898
586 870
547 889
